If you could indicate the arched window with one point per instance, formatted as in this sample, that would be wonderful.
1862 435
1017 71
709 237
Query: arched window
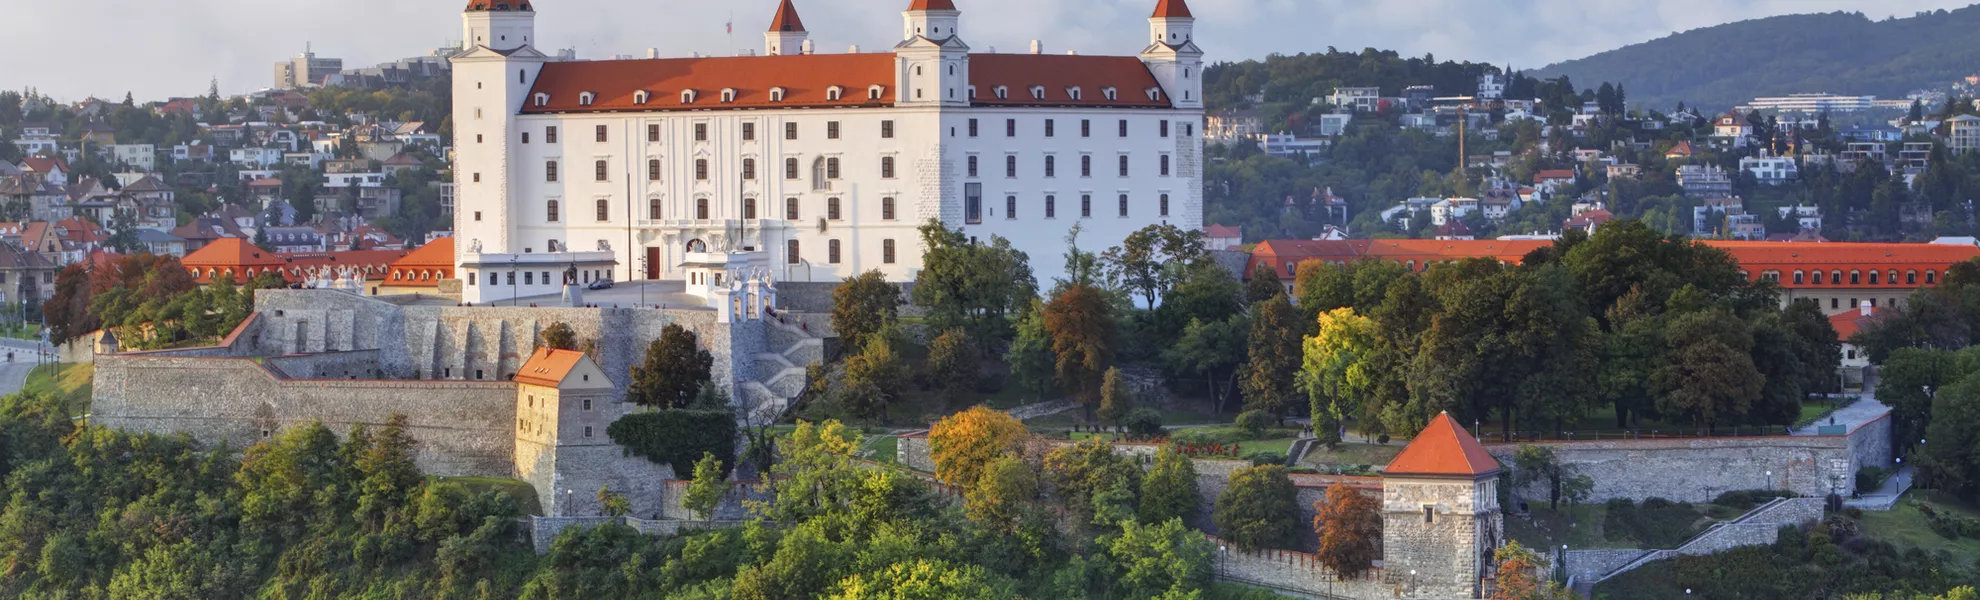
1873 278
776 94
1856 277
640 97
550 211
834 93
873 92
1890 277
1798 278
1835 277
542 99
585 98
1911 278
818 180
687 96
1818 278
1003 93
1931 277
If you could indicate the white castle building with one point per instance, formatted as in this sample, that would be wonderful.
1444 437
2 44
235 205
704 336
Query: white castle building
812 166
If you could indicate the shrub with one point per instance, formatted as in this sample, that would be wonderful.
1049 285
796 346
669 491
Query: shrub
1144 422
677 437
1868 479
1265 458
1382 439
1255 422
1745 500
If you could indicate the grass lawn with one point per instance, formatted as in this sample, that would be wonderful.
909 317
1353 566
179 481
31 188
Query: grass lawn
1812 410
521 491
1347 455
1170 417
1904 526
72 384
883 448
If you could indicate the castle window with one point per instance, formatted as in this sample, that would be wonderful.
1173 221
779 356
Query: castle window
887 130
550 134
790 131
776 94
749 169
790 209
1835 277
653 133
1085 128
1165 165
972 92
972 128
640 97
1165 128
749 208
1429 514
1797 278
790 168
1051 206
701 209
1086 166
687 96
542 100
701 169
1037 92
598 170
585 98
550 171
1010 166
1124 128
832 209
1911 278
1073 92
1085 206
1165 205
887 209
972 165
832 251
653 170
1124 165
1817 279
587 428
600 134
1051 165
1873 278
749 132
834 93
791 250
874 92
1050 127
604 210
886 167
587 401
1124 205
832 168
1010 127
1010 207
831 130
701 132
887 251
728 95
550 211
1890 277
653 208
1931 277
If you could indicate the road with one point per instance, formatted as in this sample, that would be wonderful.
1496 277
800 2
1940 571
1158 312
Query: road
13 374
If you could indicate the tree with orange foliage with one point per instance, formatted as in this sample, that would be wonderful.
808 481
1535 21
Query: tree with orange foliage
1519 578
1081 323
963 443
1350 525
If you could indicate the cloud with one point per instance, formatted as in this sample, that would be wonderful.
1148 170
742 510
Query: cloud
75 48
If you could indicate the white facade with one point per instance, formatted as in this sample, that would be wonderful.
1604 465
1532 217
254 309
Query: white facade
1964 134
1491 87
255 157
821 192
142 157
1361 99
1770 170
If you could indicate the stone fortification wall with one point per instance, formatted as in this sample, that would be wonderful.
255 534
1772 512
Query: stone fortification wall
816 296
304 321
353 364
1699 469
1591 565
569 477
1870 444
731 508
462 428
1299 573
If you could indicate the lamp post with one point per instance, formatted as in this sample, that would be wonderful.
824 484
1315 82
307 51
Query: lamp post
1224 558
567 502
515 293
1770 480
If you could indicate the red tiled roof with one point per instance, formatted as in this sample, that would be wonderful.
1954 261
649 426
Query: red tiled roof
807 78
45 165
786 19
1058 72
1443 449
932 5
1223 231
78 229
1553 174
1848 323
1171 9
1680 149
548 367
1902 265
424 267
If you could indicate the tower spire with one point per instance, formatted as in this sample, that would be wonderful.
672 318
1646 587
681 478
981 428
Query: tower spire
786 34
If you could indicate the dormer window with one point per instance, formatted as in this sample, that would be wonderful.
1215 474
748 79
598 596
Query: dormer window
776 94
1073 92
875 92
642 96
687 96
1154 93
542 99
585 98
1110 93
1037 92
728 95
834 93
1003 93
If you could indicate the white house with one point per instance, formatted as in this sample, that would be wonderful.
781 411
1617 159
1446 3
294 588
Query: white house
1361 99
814 166
256 158
1770 170
141 157
1491 87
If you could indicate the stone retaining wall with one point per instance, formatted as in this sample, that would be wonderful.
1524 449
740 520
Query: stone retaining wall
1699 469
354 364
731 508
1297 572
1591 565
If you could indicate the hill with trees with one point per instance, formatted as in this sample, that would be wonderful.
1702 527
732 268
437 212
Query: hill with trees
1844 53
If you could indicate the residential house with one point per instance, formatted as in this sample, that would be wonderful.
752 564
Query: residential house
294 239
99 134
1454 230
38 138
156 204
1407 210
1587 220
1232 125
1809 217
1704 181
193 152
161 243
1360 99
246 220
1864 151
1496 204
265 189
206 230
1678 151
260 158
1554 181
400 163
1770 170
54 170
1963 133
1223 237
43 200
179 106
313 160
1491 87
362 237
1734 127
1335 124
1855 359
25 276
1419 121
79 235
1451 209
1623 171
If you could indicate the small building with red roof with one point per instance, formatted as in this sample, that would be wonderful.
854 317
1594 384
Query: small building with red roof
1440 511
1847 324
563 404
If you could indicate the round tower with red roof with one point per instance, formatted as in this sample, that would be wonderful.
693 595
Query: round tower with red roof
1440 513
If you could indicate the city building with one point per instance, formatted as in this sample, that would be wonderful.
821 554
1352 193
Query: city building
1361 99
1963 133
1812 103
809 167
305 70
1491 87
1704 181
1232 126
1223 237
1771 170
138 157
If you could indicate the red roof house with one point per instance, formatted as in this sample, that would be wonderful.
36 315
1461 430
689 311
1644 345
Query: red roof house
1443 449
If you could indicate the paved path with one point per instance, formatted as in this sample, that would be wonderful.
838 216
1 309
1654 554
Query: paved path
1863 411
1887 496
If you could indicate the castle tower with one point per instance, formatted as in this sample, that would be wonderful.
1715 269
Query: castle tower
787 34
1172 55
563 405
1440 513
931 63
492 78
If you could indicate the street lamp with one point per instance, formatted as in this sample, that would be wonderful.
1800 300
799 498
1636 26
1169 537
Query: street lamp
1770 480
1224 556
567 502
515 293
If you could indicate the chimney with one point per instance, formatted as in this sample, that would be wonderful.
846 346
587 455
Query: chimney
1072 53
1865 308
805 47
991 50
653 53
853 50
1037 47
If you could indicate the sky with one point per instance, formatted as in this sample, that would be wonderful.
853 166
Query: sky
71 49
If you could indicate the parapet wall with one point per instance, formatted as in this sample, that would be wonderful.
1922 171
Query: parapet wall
461 428
1699 469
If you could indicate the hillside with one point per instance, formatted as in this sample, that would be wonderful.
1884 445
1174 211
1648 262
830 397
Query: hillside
1843 53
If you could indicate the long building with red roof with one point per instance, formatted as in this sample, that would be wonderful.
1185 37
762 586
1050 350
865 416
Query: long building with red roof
814 164
1837 276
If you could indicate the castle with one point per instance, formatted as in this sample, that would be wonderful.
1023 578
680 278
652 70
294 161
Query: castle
480 397
813 166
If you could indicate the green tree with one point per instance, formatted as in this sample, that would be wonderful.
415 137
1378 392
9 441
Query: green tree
1164 560
1169 490
613 504
558 336
971 285
924 579
874 378
1263 285
704 493
1082 472
1952 446
673 372
1031 359
1211 350
862 305
1335 370
1708 373
952 364
1115 398
1268 382
998 499
1258 508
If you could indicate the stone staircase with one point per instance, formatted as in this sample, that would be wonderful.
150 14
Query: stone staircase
781 373
1757 526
